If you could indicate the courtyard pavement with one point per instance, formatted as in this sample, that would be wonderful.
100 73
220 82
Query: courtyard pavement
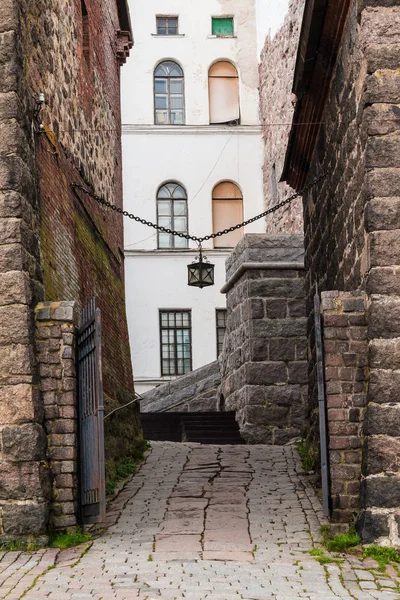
202 522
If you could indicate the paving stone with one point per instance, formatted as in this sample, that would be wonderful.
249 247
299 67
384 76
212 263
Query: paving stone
202 523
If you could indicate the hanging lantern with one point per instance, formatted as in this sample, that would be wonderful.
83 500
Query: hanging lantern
201 272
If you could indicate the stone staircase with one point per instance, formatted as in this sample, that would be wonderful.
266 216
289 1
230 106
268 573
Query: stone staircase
218 428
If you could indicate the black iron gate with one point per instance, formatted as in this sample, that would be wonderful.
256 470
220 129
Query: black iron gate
322 407
91 416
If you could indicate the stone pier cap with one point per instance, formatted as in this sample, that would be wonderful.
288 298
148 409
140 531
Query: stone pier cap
264 251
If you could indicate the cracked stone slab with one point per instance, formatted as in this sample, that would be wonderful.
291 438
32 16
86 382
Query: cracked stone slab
264 523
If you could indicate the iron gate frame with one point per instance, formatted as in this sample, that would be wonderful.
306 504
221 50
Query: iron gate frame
91 416
322 406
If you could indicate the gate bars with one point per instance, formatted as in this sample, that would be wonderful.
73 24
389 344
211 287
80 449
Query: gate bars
91 416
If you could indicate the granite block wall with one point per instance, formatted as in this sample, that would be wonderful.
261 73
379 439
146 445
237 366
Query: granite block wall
264 360
277 64
54 243
194 392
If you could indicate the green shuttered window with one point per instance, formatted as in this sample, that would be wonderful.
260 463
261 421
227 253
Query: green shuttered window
222 26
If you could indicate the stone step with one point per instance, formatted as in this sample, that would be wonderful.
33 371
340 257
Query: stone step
207 428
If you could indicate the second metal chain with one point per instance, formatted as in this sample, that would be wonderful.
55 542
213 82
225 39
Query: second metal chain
187 236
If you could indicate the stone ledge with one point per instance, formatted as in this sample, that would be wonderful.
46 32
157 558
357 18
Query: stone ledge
56 311
248 266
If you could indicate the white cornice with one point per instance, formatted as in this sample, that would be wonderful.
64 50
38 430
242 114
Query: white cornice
191 129
178 253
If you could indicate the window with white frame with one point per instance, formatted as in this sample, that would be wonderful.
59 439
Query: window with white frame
172 213
176 342
169 104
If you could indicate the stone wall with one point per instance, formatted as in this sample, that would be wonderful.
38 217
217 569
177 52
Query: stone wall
81 243
352 234
346 377
264 360
25 483
54 243
276 108
56 324
195 392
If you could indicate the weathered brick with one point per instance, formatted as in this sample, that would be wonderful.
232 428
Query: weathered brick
337 414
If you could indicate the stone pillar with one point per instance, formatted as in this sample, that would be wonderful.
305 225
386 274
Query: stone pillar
381 458
264 361
56 324
24 487
346 376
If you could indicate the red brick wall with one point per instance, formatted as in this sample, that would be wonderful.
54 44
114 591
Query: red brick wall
81 244
346 376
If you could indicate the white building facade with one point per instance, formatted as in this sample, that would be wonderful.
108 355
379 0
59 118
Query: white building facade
192 147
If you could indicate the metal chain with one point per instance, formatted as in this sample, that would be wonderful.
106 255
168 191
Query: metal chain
187 236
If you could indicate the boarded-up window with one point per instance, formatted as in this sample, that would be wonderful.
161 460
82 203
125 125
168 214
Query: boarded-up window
227 205
223 89
222 26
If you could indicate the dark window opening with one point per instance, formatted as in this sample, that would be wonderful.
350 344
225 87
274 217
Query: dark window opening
221 329
274 186
167 25
85 33
176 342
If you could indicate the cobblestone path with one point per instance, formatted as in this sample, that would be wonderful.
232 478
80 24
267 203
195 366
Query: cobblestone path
197 523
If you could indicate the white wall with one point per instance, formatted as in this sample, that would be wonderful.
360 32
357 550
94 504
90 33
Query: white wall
270 15
196 160
158 282
196 155
158 279
195 51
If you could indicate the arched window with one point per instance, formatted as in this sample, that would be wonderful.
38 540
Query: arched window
223 90
227 206
172 213
168 94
